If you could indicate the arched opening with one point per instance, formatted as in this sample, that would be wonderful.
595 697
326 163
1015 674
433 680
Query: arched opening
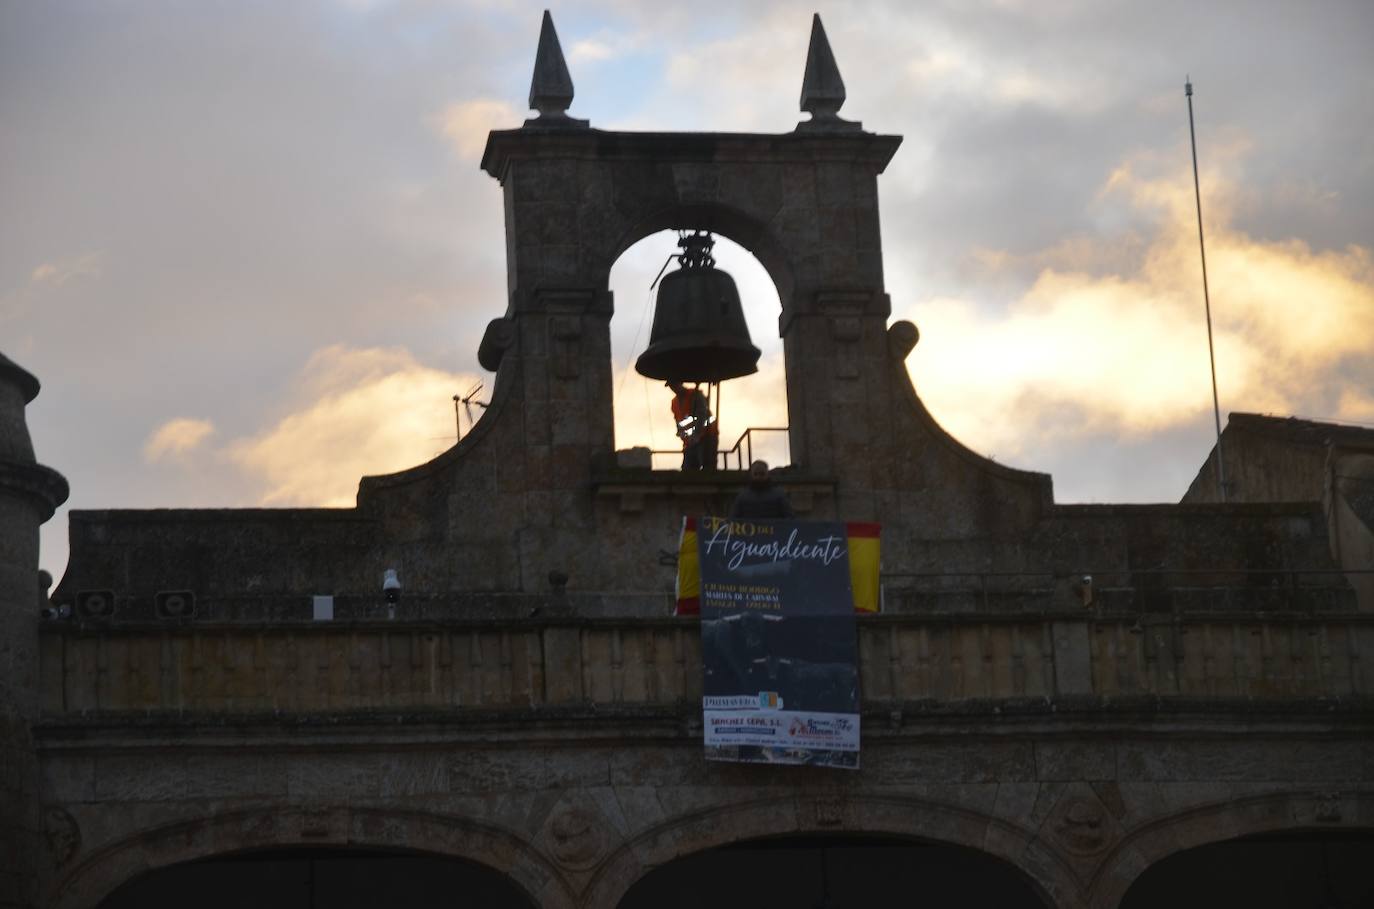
305 878
834 871
642 406
1310 869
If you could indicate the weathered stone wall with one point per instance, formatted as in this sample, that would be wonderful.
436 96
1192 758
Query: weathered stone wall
1264 465
1081 799
266 565
1078 743
1272 459
323 668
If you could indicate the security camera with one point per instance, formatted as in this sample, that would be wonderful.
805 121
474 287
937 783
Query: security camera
391 586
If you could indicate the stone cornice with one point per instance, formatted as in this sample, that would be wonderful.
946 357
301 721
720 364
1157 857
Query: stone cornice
505 146
42 484
1072 718
17 375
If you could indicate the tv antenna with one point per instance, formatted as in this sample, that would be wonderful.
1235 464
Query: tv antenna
467 401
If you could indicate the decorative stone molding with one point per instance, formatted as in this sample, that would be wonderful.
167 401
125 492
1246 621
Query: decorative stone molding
1079 827
551 86
1080 823
565 346
496 340
834 811
45 487
823 92
828 810
1327 809
845 310
87 881
322 824
576 836
846 331
902 337
63 835
1200 826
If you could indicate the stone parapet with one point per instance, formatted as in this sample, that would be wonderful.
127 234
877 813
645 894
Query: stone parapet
525 666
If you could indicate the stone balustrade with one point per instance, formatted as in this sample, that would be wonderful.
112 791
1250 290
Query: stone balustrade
528 665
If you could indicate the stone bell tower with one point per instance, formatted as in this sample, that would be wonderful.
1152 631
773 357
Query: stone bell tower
804 203
533 500
29 492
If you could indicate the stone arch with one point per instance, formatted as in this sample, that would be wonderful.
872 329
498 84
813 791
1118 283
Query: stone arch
723 219
1272 813
100 872
1044 871
806 206
768 263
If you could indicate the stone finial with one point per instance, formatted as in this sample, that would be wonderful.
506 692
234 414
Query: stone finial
822 92
551 87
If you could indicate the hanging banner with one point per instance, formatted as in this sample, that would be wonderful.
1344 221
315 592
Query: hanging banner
779 650
864 558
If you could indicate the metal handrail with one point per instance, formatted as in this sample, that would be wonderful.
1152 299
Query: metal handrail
743 456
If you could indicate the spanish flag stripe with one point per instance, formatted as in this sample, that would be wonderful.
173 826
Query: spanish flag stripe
864 561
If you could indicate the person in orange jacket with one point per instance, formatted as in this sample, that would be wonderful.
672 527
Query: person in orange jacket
695 427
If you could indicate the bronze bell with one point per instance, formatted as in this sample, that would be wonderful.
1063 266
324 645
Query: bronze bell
699 333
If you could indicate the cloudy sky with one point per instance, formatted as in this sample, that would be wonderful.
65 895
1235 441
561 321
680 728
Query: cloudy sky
249 252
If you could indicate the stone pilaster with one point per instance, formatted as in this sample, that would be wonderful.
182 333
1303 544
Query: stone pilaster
28 494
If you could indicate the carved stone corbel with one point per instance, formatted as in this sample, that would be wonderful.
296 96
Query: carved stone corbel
565 346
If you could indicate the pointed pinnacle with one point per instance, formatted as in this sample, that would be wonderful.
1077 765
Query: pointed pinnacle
551 88
822 91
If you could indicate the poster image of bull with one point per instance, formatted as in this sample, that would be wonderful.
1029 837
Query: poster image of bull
778 643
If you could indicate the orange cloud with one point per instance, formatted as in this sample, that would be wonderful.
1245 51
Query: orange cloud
1124 349
361 411
58 273
176 438
1356 406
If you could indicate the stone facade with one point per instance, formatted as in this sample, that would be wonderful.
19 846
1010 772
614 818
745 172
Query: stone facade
1076 691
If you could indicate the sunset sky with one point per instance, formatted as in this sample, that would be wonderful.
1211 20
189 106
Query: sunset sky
248 250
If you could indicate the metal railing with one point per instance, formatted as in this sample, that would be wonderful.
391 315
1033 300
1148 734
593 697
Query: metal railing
743 449
737 457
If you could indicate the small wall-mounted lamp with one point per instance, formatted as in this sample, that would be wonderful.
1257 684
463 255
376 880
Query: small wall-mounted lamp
391 589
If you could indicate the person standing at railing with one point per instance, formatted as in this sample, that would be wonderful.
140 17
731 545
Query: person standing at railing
762 498
696 427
